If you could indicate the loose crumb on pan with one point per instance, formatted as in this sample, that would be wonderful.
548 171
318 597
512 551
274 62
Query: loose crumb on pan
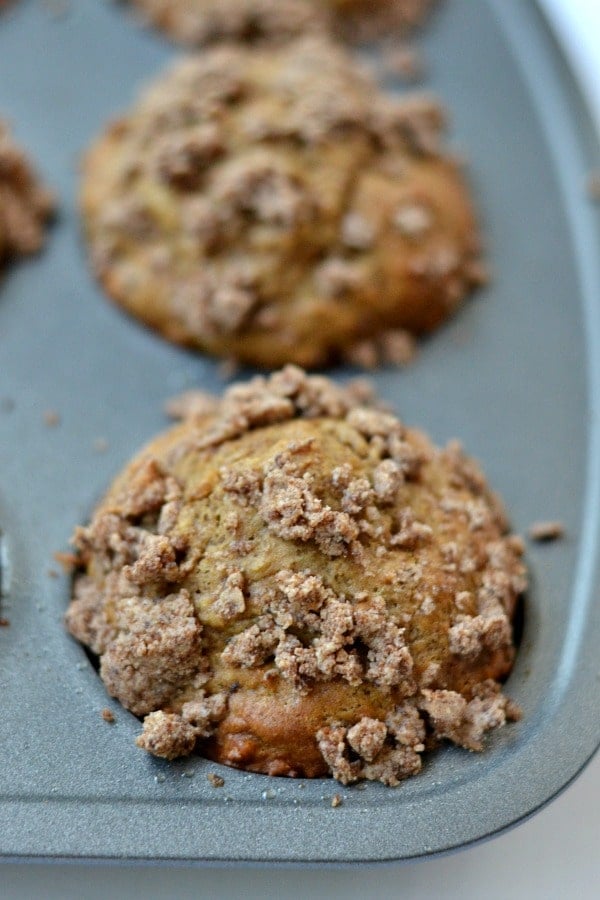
216 780
4 623
108 715
395 347
336 801
67 561
228 368
100 445
593 185
403 61
51 418
545 531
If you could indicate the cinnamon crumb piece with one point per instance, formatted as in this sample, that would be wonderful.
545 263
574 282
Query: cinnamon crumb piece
292 511
51 418
387 479
190 405
68 561
513 711
546 531
336 801
357 232
471 635
4 623
229 368
215 780
466 722
108 715
205 712
404 61
362 354
413 220
164 640
167 735
367 737
52 573
478 272
231 602
254 646
100 445
395 347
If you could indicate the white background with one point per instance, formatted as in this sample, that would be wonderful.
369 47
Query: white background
554 855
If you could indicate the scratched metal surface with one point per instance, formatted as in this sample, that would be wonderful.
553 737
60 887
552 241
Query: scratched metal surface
515 375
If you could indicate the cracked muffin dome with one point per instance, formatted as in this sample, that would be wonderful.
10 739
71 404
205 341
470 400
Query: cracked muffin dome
275 206
200 22
293 582
25 205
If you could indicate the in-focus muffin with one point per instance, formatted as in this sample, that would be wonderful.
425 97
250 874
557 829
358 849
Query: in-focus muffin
25 204
200 22
276 206
292 582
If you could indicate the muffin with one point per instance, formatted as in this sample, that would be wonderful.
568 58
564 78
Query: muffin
292 582
25 205
275 206
200 22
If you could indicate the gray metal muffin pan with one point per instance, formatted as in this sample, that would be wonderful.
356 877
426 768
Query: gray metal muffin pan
516 375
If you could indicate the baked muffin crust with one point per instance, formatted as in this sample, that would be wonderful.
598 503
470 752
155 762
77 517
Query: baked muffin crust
275 206
197 23
294 583
25 204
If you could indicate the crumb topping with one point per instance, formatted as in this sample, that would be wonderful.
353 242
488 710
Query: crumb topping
382 755
335 625
466 722
170 735
157 649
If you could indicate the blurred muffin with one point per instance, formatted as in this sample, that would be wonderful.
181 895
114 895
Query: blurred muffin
276 206
292 582
25 205
200 22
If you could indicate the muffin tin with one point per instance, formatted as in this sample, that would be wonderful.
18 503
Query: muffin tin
516 375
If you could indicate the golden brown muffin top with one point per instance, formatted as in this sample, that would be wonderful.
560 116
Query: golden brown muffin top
25 205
